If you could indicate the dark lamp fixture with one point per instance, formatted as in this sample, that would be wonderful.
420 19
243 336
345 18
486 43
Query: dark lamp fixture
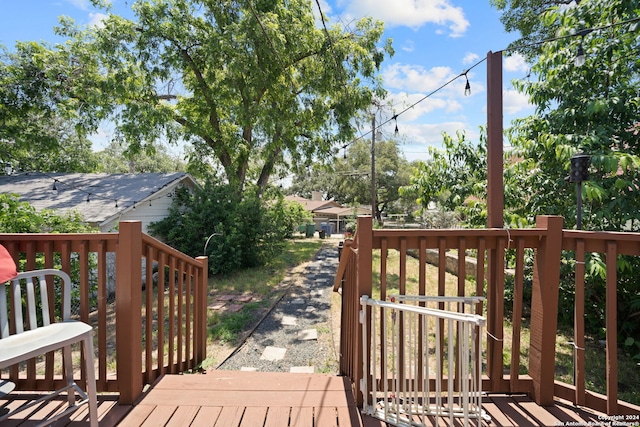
580 59
467 87
580 167
396 132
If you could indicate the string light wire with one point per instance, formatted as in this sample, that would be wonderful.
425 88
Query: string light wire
580 33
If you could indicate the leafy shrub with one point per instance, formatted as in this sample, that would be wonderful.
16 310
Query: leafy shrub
235 230
21 217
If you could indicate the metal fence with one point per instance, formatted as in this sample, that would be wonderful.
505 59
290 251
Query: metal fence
422 364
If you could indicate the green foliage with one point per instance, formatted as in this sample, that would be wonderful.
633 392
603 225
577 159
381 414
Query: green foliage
40 103
21 217
454 179
286 216
239 231
155 158
592 109
348 181
255 90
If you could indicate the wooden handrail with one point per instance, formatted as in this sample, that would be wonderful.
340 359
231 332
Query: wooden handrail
108 265
548 240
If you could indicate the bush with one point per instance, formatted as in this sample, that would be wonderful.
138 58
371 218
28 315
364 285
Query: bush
236 231
21 217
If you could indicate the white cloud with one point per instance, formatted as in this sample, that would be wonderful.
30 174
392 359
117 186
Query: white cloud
470 58
412 13
516 62
417 79
420 106
80 4
95 19
514 101
408 46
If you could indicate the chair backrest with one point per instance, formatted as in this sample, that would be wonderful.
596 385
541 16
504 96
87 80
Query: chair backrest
28 301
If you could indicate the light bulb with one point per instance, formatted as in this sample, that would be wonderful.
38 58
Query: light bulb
580 59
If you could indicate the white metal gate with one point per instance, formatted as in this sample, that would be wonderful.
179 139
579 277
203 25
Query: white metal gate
422 364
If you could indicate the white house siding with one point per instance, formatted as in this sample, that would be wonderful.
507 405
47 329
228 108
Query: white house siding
146 211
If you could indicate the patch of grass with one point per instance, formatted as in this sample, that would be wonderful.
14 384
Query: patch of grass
228 326
262 283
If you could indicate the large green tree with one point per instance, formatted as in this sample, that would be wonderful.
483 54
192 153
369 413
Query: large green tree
35 132
591 108
348 178
116 159
523 16
254 86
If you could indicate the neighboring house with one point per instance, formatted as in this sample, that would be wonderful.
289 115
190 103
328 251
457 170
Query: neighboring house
328 211
102 199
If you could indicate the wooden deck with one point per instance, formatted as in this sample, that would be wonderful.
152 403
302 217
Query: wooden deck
232 399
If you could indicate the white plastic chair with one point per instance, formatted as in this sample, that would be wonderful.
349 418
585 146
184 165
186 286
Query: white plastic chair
22 338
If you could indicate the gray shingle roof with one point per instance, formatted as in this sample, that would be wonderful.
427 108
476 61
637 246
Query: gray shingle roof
102 190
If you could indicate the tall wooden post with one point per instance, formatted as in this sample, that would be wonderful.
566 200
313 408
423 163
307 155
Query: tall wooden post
364 236
544 309
129 311
495 190
495 208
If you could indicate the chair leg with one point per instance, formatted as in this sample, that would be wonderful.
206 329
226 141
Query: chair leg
87 345
68 373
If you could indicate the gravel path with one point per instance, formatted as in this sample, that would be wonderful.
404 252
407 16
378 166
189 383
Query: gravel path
296 336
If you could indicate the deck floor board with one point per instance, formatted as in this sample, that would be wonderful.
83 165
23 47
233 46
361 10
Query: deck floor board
270 399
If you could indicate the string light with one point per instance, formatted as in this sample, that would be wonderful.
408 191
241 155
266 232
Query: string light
55 189
632 24
467 86
580 59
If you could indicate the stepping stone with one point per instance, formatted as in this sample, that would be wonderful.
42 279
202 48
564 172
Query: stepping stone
289 321
225 297
243 298
317 293
308 334
310 309
302 370
273 353
234 308
216 306
248 369
298 301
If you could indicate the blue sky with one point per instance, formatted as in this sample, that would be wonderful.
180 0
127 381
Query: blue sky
434 41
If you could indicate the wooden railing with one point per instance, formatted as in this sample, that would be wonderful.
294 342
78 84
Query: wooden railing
140 334
356 278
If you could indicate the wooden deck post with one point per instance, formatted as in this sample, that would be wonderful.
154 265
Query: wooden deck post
364 280
201 316
129 311
544 309
495 209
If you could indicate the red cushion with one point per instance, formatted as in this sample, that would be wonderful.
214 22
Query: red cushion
7 266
